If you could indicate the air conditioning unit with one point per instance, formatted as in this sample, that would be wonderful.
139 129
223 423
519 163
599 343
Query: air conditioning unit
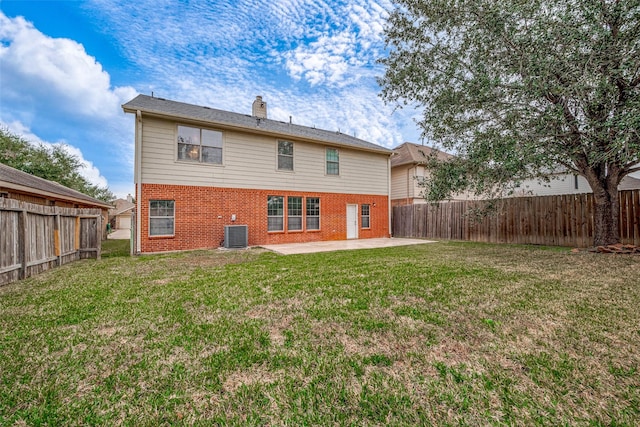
236 236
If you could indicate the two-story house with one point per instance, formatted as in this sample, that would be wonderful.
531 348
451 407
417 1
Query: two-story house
199 169
408 171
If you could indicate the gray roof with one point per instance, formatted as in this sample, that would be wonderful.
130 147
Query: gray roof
412 154
11 178
629 183
180 110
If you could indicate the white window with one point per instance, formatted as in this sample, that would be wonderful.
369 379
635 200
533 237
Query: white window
313 213
294 213
199 145
161 217
275 213
333 161
365 216
285 156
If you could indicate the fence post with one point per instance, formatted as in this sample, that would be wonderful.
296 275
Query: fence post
99 236
56 239
76 244
22 243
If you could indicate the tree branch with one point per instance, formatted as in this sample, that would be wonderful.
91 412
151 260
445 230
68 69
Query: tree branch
632 170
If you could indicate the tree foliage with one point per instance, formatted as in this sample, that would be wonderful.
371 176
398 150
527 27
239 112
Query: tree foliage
53 163
521 89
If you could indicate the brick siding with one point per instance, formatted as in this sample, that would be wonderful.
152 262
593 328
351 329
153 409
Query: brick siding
202 212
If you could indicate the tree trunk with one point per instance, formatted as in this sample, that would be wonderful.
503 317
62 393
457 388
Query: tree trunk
606 229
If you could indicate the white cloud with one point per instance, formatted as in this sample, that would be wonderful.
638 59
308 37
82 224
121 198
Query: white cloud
54 72
345 52
53 88
88 170
324 61
234 41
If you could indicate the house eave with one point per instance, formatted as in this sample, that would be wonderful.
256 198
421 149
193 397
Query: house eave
410 163
51 195
122 211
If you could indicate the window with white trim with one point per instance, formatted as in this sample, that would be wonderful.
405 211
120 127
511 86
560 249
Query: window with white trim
161 217
365 216
332 161
199 145
275 213
285 156
294 213
313 213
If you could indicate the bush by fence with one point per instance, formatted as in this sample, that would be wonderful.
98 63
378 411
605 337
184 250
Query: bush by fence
35 238
565 220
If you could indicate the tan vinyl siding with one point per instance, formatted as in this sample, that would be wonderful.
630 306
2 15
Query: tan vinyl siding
399 185
563 184
404 183
417 177
250 161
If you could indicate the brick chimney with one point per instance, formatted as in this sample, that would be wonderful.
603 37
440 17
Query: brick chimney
259 109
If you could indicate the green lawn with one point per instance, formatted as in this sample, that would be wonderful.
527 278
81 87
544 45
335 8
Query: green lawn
444 334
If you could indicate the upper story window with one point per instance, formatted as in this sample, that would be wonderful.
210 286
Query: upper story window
199 145
285 156
333 161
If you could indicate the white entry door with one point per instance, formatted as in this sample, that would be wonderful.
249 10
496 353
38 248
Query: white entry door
352 221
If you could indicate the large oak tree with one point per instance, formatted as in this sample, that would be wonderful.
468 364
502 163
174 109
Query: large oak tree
521 89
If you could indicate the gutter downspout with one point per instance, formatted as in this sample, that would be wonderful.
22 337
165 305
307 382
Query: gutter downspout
389 211
138 178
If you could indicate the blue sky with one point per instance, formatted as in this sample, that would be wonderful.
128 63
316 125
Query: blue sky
66 67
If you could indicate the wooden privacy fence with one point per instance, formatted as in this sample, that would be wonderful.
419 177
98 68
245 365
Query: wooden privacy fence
565 220
35 238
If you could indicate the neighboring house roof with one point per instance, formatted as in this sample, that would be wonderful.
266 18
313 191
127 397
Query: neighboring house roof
179 110
629 183
411 154
21 181
121 206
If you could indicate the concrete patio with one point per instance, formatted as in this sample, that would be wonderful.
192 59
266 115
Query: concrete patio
124 234
342 245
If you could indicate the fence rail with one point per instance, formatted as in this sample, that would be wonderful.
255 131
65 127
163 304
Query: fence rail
565 220
35 238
